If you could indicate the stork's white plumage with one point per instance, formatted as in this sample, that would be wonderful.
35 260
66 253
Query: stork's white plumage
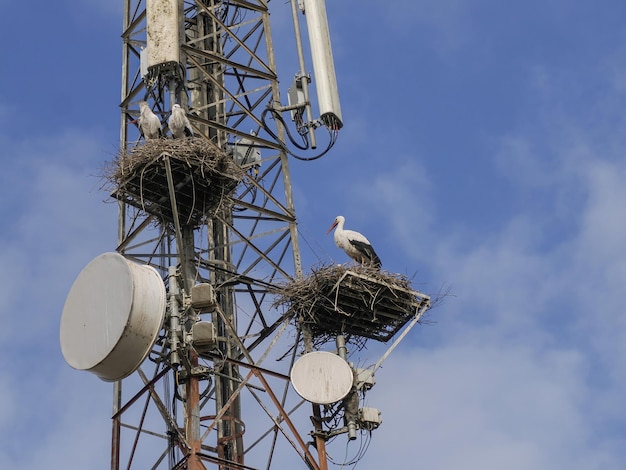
149 123
179 123
354 244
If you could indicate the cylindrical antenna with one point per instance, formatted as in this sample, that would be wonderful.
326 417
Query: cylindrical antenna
162 32
323 64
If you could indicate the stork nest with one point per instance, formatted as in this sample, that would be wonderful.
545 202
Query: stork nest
359 302
203 177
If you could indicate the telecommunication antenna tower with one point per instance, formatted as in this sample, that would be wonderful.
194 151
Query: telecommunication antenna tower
182 317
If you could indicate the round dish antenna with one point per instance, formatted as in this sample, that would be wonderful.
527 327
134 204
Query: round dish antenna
112 316
322 377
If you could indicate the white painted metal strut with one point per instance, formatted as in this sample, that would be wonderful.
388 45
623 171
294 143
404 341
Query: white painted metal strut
416 318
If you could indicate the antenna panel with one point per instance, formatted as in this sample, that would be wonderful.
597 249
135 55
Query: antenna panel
163 31
112 316
323 62
322 377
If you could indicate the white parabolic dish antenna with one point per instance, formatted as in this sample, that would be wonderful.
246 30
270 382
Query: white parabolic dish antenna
322 377
112 316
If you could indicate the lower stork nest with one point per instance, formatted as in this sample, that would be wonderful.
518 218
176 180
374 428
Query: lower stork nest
201 178
359 302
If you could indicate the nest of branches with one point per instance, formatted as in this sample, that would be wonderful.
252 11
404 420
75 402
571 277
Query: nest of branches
202 178
359 302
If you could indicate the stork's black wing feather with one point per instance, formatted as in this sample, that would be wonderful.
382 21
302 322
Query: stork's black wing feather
368 252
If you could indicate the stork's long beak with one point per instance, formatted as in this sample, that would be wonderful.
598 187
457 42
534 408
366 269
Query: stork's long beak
332 227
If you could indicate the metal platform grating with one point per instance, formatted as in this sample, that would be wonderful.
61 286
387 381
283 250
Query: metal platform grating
202 179
365 306
361 302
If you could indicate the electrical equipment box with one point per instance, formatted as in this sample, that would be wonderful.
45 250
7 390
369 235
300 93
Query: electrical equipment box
365 379
295 96
203 336
203 297
369 418
245 153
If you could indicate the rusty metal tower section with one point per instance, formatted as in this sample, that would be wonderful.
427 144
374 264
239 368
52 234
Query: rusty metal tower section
214 216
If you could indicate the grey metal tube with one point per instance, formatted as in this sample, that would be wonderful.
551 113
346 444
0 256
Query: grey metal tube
174 317
302 74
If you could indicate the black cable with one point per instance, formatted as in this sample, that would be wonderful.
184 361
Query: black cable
277 116
333 133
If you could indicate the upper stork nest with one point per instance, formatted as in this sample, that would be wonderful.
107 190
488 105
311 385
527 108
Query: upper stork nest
360 302
203 178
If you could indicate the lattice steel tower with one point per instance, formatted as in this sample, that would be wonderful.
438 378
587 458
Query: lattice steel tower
200 315
219 248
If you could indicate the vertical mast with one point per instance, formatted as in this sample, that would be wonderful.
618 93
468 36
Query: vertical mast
216 59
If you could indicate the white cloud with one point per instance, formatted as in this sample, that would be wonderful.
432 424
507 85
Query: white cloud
448 22
59 421
479 406
102 9
527 369
524 367
399 199
58 221
57 224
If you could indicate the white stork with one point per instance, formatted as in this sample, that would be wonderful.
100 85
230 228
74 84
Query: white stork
149 123
179 123
354 244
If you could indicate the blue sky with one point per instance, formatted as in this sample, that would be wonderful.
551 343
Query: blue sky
483 149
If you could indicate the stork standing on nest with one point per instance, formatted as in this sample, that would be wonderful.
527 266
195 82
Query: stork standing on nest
149 123
354 244
179 123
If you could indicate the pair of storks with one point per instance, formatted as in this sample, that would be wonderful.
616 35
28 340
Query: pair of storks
150 124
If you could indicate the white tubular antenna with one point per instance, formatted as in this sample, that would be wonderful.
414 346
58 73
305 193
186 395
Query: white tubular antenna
163 32
323 64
